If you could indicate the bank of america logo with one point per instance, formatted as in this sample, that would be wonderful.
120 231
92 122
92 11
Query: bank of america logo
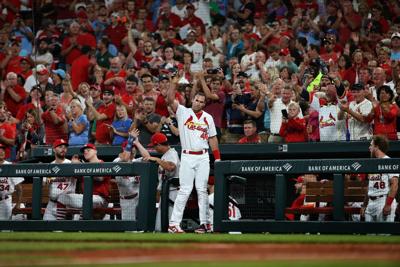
356 165
117 168
287 166
55 169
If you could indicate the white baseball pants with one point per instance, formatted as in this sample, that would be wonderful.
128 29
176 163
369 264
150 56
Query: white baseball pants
373 212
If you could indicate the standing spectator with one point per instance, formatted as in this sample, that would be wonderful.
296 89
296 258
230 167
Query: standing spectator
380 200
58 76
7 131
8 186
395 45
385 113
197 132
78 124
147 121
26 68
169 127
103 115
116 31
131 97
293 128
41 54
12 93
166 16
54 121
58 185
245 12
40 77
234 46
31 134
196 49
148 87
103 57
120 126
192 19
82 66
358 112
250 133
12 59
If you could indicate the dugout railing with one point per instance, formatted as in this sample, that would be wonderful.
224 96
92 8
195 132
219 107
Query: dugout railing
146 212
280 170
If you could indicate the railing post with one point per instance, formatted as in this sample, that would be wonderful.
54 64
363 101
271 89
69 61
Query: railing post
87 204
338 197
147 197
280 196
220 195
36 198
164 205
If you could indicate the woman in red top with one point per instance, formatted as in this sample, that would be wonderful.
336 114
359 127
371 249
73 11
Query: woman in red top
385 113
293 128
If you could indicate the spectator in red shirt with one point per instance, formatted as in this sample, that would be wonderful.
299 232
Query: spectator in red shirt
192 19
116 31
11 62
26 67
82 66
12 93
293 128
250 133
7 130
104 116
70 47
54 121
166 16
116 75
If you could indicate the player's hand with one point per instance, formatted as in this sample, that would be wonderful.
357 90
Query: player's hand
386 210
217 160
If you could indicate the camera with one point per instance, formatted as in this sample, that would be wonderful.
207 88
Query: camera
212 71
284 114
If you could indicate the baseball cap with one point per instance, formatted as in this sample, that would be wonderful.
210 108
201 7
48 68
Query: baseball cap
163 77
395 35
158 138
299 179
258 15
60 73
59 142
26 59
91 146
108 89
357 87
80 5
41 69
284 52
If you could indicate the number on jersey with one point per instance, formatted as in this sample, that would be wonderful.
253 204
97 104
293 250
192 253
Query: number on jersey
62 186
379 185
4 187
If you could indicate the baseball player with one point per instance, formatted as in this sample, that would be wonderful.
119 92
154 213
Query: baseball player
196 132
7 188
58 185
101 185
168 168
128 186
380 203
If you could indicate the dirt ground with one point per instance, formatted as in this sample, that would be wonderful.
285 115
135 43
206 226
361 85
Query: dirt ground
234 252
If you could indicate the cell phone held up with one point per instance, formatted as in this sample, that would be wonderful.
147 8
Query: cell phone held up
284 114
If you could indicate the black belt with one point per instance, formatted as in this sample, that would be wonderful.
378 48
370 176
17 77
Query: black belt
376 197
201 152
129 197
4 198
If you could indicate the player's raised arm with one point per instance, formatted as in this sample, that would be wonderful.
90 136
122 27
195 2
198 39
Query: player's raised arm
172 102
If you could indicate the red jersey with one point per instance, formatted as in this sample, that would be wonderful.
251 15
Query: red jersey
12 105
116 34
100 188
13 65
385 123
102 129
80 71
54 131
297 203
255 139
9 131
294 130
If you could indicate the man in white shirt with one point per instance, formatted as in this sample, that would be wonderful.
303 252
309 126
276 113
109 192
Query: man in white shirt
197 50
356 113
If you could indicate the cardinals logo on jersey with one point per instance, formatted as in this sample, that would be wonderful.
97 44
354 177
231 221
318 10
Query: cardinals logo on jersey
197 126
330 121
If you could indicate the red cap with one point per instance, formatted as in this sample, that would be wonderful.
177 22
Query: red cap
299 179
41 69
26 59
88 146
59 142
158 138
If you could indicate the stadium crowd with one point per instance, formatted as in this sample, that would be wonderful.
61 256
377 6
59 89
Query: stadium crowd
272 71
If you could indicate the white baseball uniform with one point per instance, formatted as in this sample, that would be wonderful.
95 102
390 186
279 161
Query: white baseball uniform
172 156
57 187
7 187
128 187
378 189
194 131
233 209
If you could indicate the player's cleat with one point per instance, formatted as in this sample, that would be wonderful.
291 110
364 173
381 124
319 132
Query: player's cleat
175 229
204 228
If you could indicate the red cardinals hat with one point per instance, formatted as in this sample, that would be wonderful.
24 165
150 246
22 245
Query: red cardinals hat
41 69
88 146
299 179
158 138
59 142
